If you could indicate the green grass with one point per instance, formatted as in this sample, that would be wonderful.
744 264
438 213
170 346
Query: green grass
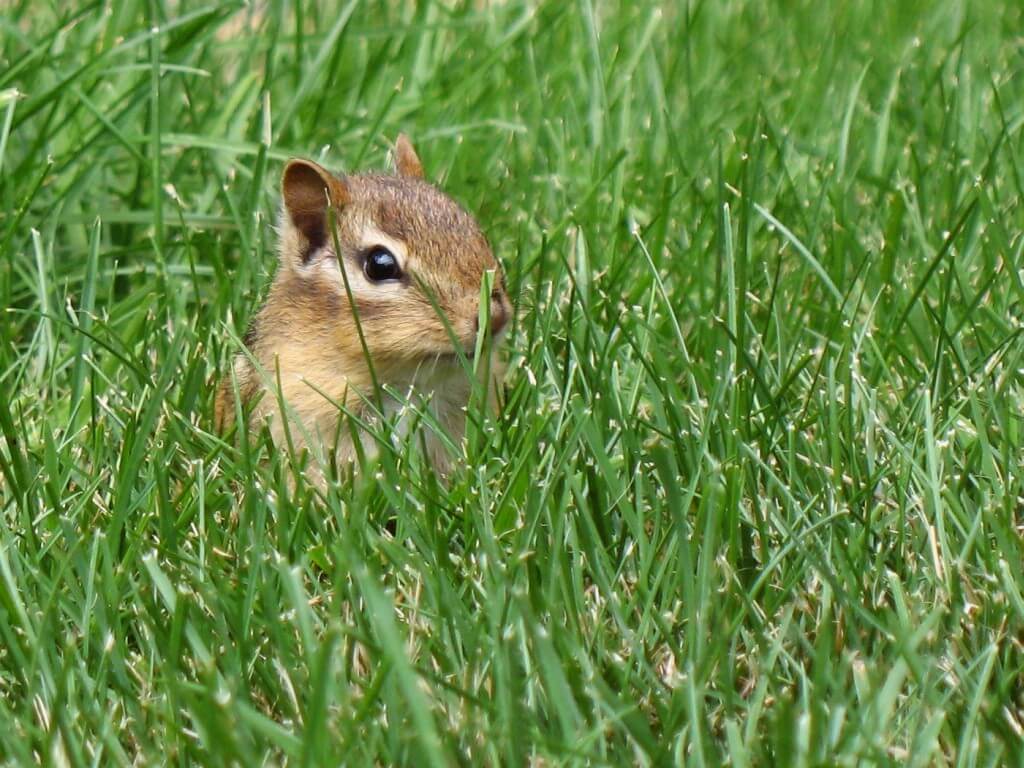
756 498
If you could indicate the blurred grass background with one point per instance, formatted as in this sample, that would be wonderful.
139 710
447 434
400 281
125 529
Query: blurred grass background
757 494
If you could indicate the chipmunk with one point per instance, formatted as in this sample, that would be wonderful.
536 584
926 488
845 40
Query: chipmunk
408 251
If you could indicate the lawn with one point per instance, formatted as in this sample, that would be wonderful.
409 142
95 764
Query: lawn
756 496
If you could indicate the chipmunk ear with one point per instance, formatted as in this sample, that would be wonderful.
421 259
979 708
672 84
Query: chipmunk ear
407 162
308 190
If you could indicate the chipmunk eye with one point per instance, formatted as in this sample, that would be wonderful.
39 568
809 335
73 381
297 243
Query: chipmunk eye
381 265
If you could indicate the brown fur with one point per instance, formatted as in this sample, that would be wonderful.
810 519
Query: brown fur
306 332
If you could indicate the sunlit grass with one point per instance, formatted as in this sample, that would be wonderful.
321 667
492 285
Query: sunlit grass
755 495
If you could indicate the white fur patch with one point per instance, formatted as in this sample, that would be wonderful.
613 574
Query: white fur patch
330 268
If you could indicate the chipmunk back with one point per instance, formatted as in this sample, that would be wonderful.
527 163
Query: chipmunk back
414 262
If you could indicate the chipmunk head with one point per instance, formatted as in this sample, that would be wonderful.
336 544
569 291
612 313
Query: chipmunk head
413 258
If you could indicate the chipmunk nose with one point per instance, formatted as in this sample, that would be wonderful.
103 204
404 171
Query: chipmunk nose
499 314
